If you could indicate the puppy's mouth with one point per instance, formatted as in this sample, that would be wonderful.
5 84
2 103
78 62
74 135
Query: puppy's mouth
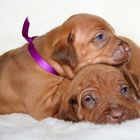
121 63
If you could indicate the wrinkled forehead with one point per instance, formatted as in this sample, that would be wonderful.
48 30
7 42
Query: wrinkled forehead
88 22
92 76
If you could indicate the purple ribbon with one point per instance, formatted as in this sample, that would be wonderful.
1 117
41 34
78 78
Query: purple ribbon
33 52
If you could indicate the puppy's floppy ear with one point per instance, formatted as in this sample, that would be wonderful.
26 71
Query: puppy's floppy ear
68 110
64 52
74 104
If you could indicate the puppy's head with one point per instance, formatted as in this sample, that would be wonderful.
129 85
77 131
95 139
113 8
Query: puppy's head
87 39
100 94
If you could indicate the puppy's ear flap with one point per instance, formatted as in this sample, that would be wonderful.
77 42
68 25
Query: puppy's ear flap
68 110
133 80
64 52
74 104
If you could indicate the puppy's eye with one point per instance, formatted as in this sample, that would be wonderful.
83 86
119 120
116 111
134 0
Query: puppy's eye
124 89
89 101
100 36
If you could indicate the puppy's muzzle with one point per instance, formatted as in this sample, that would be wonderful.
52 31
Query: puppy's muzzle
116 115
119 114
122 53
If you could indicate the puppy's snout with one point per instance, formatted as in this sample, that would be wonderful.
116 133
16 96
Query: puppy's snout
122 52
124 46
116 115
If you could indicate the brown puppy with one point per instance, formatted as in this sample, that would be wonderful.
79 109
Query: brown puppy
83 39
87 39
100 94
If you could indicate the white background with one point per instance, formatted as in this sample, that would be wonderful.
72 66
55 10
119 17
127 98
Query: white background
123 15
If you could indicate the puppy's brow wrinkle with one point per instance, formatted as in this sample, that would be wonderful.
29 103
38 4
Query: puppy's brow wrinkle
100 79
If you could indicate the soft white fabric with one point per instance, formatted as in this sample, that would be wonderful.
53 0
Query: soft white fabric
23 127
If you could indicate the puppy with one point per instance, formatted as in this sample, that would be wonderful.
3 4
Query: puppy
81 40
86 39
100 94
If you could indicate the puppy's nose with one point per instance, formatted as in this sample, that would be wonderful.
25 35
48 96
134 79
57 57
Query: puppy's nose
122 52
116 115
124 46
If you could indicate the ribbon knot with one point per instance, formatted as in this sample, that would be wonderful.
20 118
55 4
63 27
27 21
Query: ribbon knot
33 52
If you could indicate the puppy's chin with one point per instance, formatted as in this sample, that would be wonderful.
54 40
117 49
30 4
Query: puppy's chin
102 60
121 59
118 62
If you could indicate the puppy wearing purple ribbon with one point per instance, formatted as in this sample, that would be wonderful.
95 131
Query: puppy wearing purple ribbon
31 75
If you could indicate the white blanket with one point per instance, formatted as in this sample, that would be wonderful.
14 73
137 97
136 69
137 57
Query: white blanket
23 127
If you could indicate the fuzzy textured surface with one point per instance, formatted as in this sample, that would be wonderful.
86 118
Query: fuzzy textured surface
23 127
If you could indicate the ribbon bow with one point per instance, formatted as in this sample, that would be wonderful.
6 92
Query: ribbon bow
33 52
